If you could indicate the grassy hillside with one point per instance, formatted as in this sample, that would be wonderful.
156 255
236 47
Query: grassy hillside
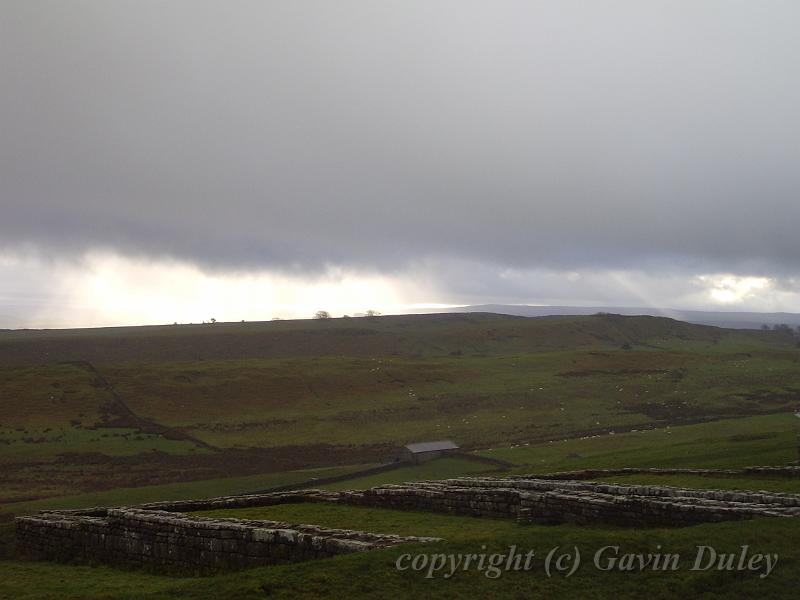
723 444
407 335
373 574
82 410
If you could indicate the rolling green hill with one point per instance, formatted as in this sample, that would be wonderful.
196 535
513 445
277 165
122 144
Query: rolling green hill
728 443
82 410
403 335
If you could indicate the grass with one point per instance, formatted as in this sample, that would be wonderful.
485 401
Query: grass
442 468
522 387
47 410
373 574
174 491
479 400
376 520
48 395
728 443
483 380
33 444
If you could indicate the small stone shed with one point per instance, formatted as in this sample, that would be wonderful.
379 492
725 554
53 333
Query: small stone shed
424 451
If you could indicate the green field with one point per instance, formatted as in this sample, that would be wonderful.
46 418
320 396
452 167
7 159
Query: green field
206 488
373 574
164 404
198 411
723 444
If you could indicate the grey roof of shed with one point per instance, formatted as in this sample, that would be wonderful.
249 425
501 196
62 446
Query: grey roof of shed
431 446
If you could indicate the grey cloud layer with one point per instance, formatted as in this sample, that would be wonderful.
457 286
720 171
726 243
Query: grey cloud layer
559 134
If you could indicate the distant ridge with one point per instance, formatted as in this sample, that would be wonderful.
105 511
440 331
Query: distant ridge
418 335
734 320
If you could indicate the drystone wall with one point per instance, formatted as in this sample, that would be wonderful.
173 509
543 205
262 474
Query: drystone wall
161 535
554 501
175 542
786 472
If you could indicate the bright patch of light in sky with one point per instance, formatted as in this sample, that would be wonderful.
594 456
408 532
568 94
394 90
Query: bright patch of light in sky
104 288
268 160
730 289
107 289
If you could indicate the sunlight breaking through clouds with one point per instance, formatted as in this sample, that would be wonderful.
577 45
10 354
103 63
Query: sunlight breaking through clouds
104 288
412 155
730 289
108 289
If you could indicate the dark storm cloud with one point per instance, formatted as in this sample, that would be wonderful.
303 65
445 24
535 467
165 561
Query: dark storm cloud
558 134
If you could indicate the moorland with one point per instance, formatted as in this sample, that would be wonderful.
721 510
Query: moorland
124 415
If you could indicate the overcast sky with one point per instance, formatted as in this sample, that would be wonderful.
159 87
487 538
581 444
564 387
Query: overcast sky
176 160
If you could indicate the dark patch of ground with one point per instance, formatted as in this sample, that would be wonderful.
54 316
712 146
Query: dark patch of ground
84 472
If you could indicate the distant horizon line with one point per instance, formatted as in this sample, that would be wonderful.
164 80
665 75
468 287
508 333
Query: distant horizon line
445 309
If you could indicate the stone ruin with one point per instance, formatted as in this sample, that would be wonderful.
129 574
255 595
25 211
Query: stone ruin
161 536
546 501
783 472
175 542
